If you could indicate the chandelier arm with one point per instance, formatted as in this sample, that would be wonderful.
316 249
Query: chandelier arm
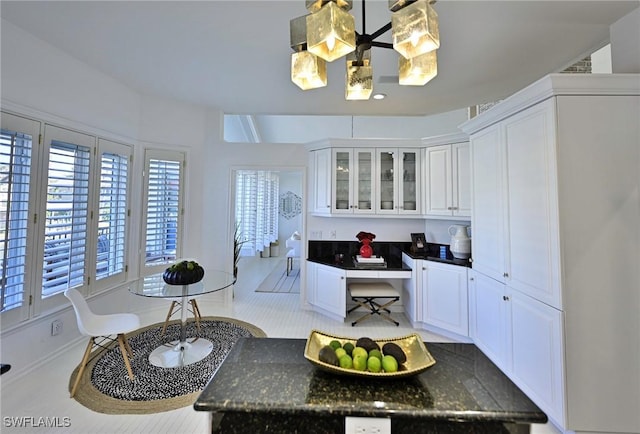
381 30
382 44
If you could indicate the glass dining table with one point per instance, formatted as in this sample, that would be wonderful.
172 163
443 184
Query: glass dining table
181 352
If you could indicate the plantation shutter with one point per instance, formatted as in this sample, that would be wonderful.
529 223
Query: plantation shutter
65 234
163 207
246 208
112 210
15 169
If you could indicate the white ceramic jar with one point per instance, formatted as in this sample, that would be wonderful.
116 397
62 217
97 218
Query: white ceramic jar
460 242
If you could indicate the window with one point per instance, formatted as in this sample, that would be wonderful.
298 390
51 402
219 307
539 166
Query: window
163 199
66 214
113 209
63 215
16 143
257 194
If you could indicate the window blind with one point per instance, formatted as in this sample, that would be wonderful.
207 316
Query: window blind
163 205
15 163
66 217
112 215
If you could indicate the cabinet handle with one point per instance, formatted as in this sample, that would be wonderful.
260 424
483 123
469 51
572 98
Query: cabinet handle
505 298
328 206
424 268
505 274
471 279
342 277
449 208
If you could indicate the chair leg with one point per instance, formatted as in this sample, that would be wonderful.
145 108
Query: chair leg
166 321
196 313
122 341
83 364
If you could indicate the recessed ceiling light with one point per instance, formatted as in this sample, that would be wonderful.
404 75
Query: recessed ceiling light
379 96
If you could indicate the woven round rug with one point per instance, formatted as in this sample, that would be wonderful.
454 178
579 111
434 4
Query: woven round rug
105 386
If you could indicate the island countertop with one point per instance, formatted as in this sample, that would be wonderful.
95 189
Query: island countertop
267 383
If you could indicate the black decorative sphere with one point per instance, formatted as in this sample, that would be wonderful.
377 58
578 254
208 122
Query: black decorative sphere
183 277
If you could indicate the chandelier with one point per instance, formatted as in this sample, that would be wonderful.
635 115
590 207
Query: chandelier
328 33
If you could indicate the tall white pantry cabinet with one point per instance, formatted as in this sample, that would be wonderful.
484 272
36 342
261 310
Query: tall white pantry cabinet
555 288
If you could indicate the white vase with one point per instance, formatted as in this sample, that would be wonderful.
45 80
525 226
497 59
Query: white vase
460 242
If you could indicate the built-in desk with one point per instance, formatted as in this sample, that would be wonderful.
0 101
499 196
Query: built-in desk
267 386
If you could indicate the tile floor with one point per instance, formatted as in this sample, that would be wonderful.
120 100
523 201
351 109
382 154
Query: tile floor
45 393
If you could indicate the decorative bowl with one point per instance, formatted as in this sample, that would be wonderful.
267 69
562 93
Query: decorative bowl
183 277
418 357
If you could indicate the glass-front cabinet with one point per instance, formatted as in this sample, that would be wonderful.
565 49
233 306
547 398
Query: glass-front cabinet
353 181
398 185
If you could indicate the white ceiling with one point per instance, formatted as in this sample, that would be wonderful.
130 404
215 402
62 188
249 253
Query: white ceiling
235 55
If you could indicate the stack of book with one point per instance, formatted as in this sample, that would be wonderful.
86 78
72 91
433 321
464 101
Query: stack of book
372 262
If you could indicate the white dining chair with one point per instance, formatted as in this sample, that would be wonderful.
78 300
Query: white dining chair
101 328
293 244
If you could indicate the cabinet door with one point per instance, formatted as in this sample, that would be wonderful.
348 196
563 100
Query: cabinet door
409 181
489 318
537 342
331 290
446 300
387 171
461 173
322 184
532 203
488 193
439 181
342 181
412 290
364 185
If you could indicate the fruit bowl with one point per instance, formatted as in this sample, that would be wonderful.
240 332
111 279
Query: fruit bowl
418 357
183 273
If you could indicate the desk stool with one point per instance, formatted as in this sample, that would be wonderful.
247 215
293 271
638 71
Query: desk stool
370 296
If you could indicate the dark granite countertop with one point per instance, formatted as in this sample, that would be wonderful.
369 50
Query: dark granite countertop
269 379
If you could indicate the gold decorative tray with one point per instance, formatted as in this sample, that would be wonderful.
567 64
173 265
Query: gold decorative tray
418 357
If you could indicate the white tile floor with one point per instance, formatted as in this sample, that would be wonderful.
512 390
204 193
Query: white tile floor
45 393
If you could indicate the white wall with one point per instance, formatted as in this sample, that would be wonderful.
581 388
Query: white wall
625 43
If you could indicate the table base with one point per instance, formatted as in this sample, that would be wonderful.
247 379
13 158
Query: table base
176 354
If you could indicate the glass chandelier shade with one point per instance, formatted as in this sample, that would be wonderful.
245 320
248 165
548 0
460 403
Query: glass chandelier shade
359 84
308 71
415 29
418 70
315 5
330 32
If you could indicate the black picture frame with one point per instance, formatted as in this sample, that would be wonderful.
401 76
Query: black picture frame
418 243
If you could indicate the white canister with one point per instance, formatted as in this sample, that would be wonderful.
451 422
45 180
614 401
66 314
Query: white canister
460 242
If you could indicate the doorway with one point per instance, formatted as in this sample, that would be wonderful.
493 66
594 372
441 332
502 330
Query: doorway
264 217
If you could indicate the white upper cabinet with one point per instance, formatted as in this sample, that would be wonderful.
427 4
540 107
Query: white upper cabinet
448 182
349 179
398 174
320 162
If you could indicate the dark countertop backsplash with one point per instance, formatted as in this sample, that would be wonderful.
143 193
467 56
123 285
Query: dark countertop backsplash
326 251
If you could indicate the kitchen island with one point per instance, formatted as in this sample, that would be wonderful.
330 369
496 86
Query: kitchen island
266 385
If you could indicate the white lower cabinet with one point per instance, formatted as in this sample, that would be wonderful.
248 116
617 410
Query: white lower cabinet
489 317
522 336
536 352
445 298
327 289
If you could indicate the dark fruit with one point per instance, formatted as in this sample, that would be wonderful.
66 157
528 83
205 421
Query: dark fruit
367 343
328 355
394 350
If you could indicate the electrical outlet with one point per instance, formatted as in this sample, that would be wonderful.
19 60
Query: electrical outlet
56 327
316 235
367 425
332 234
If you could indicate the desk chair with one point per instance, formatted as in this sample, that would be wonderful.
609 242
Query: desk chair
376 297
100 328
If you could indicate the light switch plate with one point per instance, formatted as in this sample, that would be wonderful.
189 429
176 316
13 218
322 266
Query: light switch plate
367 425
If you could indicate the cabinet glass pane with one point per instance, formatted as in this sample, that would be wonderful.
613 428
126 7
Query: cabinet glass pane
386 181
342 180
365 171
409 165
